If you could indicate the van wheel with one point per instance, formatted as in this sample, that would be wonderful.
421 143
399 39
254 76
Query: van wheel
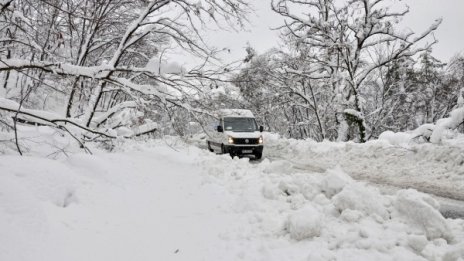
258 155
223 149
209 146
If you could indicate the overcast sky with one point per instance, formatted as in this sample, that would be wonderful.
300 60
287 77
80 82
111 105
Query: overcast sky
422 15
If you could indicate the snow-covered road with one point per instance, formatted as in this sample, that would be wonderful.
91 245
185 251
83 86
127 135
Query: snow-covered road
433 169
150 201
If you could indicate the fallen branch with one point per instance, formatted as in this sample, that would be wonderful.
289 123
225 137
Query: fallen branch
54 122
143 133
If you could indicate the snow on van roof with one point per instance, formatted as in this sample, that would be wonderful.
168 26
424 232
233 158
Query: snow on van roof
235 113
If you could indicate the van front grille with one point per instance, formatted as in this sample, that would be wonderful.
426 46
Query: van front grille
246 141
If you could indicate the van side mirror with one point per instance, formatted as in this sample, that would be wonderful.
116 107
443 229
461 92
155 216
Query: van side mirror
220 129
261 128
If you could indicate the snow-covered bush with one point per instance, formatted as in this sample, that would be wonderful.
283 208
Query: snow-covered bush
423 132
456 118
396 138
428 132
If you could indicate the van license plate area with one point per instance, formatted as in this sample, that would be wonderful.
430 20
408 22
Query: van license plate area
247 151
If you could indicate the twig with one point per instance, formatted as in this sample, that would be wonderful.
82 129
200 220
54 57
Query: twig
16 118
6 124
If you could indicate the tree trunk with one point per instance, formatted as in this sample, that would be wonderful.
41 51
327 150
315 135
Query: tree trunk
71 97
343 127
93 103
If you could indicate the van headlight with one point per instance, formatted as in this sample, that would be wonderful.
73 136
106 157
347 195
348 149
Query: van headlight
231 140
260 140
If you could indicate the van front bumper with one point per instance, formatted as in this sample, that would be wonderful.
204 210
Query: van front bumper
243 150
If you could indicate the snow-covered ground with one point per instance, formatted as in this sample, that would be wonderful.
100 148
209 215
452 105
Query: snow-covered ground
164 200
431 168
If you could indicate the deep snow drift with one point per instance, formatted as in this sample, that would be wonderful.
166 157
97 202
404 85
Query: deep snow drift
164 200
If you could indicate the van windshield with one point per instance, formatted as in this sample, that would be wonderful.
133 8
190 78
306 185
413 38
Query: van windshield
240 124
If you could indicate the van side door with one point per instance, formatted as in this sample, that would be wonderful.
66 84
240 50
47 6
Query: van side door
217 137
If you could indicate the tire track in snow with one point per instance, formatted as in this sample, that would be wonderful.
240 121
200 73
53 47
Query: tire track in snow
405 183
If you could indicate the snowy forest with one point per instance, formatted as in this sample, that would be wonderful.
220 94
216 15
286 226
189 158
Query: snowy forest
109 111
96 70
98 65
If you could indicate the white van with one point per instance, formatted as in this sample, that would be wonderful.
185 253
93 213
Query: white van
237 134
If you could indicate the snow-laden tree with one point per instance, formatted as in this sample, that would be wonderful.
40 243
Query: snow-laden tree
345 38
285 98
82 62
452 84
258 86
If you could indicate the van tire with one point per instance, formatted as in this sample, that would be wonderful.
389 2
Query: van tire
223 149
209 146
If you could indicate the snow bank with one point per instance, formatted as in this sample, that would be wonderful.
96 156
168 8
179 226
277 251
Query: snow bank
396 160
358 220
366 200
352 219
421 211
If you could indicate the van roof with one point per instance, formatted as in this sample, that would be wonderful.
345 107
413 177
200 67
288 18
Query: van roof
235 113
